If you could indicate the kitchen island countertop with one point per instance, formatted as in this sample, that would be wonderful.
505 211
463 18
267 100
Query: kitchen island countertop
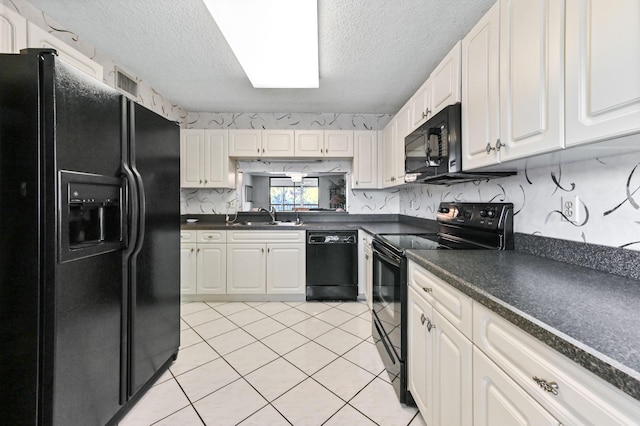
587 315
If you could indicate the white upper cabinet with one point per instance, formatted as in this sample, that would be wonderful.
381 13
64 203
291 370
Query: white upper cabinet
204 160
421 105
602 69
391 161
531 77
338 143
245 143
480 87
512 83
277 143
445 80
324 143
13 31
441 89
365 159
309 143
39 38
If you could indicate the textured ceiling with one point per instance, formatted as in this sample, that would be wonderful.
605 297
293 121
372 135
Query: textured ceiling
374 54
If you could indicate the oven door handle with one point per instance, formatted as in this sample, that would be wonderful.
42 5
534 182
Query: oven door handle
386 257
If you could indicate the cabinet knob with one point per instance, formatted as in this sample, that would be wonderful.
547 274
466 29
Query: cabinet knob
191 250
366 256
321 150
262 250
198 250
263 150
499 145
268 250
427 289
422 318
200 180
205 181
551 387
258 150
426 113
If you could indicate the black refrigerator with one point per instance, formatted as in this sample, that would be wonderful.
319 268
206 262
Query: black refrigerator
89 245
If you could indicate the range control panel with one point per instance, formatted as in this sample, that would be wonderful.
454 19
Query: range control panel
491 216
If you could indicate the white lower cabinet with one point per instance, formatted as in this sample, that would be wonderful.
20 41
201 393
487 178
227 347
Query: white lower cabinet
498 400
246 269
440 355
286 268
188 268
266 262
468 365
203 262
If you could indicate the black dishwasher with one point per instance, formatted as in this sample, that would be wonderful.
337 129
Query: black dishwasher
332 265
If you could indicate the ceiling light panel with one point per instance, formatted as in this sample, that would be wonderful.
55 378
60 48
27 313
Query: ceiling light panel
275 41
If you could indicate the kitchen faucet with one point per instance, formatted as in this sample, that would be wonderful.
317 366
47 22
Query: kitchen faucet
271 211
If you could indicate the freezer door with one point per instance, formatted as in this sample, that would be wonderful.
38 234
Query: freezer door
154 287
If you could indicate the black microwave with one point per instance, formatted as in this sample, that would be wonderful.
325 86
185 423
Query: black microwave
433 152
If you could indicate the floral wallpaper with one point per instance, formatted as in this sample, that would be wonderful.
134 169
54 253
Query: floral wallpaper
147 96
607 190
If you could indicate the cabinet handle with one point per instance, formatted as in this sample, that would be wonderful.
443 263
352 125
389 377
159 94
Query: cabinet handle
205 181
551 387
268 250
499 145
198 250
262 250
430 325
366 256
426 114
191 250
321 150
427 289
200 180
489 148
263 150
258 150
422 318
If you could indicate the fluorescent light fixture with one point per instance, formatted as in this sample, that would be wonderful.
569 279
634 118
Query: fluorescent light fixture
275 41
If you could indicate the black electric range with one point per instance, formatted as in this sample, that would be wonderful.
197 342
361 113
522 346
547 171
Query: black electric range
461 226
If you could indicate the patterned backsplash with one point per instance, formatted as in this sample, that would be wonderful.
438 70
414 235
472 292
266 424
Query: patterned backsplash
607 189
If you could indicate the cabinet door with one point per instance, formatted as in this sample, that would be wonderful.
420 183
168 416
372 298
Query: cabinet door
498 400
480 91
13 31
365 159
387 151
420 338
531 77
286 269
277 143
246 266
603 65
245 143
191 158
338 143
188 269
403 125
39 38
421 105
219 171
309 143
445 81
212 265
452 374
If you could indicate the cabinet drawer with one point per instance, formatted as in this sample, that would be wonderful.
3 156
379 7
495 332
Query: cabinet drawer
212 236
187 236
452 304
582 397
265 236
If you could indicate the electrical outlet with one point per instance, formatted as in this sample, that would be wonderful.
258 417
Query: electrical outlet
570 208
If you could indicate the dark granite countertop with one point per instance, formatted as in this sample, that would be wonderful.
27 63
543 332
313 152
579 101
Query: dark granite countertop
589 316
373 224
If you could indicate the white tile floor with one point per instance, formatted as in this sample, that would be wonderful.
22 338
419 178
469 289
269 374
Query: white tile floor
274 363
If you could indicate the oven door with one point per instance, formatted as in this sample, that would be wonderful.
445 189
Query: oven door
389 316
